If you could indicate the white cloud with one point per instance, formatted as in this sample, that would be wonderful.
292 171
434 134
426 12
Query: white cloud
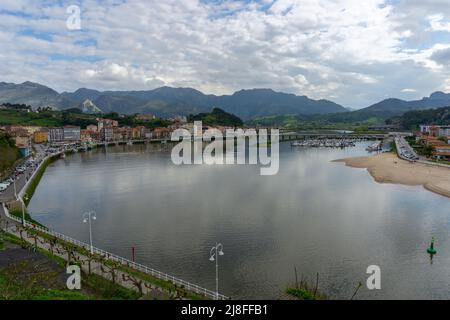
353 51
437 23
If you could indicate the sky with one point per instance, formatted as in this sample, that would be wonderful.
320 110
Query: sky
353 52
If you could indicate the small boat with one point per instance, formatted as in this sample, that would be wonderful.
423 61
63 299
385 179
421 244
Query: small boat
129 143
63 155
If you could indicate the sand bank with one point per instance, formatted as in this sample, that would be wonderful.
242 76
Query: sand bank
388 168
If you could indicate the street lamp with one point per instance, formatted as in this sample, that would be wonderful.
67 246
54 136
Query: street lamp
24 222
88 217
15 190
215 252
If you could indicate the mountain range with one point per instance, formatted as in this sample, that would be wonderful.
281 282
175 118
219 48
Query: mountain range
167 102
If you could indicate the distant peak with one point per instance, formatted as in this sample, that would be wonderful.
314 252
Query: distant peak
29 83
439 95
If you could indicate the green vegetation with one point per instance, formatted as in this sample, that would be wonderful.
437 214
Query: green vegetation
301 294
27 280
131 121
167 285
55 294
338 121
304 291
422 150
393 147
8 151
105 289
36 179
46 118
18 214
74 116
217 117
412 119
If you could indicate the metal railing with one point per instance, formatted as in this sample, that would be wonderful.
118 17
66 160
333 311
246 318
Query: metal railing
128 263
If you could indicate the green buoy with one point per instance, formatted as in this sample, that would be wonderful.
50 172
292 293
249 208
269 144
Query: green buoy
431 250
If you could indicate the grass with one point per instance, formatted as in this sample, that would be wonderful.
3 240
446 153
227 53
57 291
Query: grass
301 294
161 283
26 280
55 294
167 285
305 291
18 214
17 282
393 147
37 178
105 289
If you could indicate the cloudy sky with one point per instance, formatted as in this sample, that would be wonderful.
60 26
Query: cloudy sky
354 52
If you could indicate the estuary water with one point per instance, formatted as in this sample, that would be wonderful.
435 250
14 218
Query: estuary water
315 215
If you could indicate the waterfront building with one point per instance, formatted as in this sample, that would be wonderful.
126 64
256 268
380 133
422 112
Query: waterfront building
442 152
435 131
138 132
72 133
162 133
107 133
92 128
24 150
56 135
425 129
40 136
22 140
103 123
86 135
444 131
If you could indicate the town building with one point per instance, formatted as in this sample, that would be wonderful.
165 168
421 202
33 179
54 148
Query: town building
85 135
145 117
40 136
435 131
442 152
162 133
72 133
103 123
56 135
92 128
107 133
444 131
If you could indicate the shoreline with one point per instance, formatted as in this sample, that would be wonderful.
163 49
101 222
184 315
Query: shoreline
388 168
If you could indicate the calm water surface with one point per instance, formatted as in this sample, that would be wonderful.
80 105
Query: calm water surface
316 215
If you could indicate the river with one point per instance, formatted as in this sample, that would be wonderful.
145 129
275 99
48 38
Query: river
316 215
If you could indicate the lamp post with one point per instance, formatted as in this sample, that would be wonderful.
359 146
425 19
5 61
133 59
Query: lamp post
23 213
24 222
87 218
215 252
15 190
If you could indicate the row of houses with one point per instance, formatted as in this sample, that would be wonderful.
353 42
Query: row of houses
435 131
437 137
105 130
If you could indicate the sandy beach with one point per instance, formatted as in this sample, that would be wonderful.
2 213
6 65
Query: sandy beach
388 168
